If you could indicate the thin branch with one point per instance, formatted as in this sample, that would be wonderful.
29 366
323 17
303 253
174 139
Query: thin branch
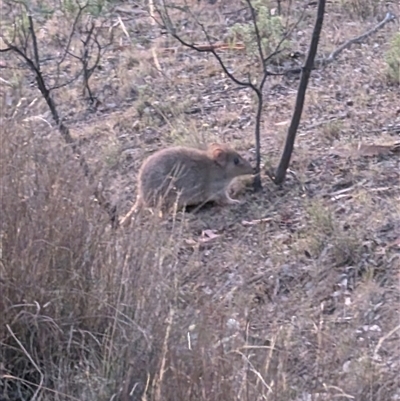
289 9
287 33
216 55
264 78
257 178
73 28
168 25
66 83
219 59
85 61
67 47
23 37
257 32
34 40
89 44
382 340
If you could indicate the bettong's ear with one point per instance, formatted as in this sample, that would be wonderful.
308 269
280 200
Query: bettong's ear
219 155
212 147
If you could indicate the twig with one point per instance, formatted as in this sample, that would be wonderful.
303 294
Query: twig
162 371
2 80
153 22
388 18
165 18
73 29
67 47
284 37
34 40
384 338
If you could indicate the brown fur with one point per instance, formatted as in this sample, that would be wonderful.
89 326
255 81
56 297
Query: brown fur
188 176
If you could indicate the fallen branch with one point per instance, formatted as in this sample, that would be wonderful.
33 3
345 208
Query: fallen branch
388 18
219 46
322 62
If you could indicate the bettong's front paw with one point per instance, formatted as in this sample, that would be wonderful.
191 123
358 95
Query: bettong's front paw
227 200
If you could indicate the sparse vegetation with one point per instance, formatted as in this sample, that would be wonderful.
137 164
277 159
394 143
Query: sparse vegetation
291 296
393 60
331 130
362 9
270 28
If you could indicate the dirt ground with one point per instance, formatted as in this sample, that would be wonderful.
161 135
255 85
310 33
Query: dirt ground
299 283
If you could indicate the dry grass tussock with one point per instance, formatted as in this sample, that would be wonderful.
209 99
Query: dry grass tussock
293 295
88 314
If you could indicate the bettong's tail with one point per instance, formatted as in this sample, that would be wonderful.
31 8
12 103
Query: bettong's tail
127 218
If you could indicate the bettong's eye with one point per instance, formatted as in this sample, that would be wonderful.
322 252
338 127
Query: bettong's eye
236 161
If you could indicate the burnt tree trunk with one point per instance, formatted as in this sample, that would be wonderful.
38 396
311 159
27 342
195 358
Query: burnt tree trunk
301 93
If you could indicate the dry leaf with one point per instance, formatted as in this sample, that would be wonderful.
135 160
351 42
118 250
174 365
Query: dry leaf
286 122
190 242
208 235
395 243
